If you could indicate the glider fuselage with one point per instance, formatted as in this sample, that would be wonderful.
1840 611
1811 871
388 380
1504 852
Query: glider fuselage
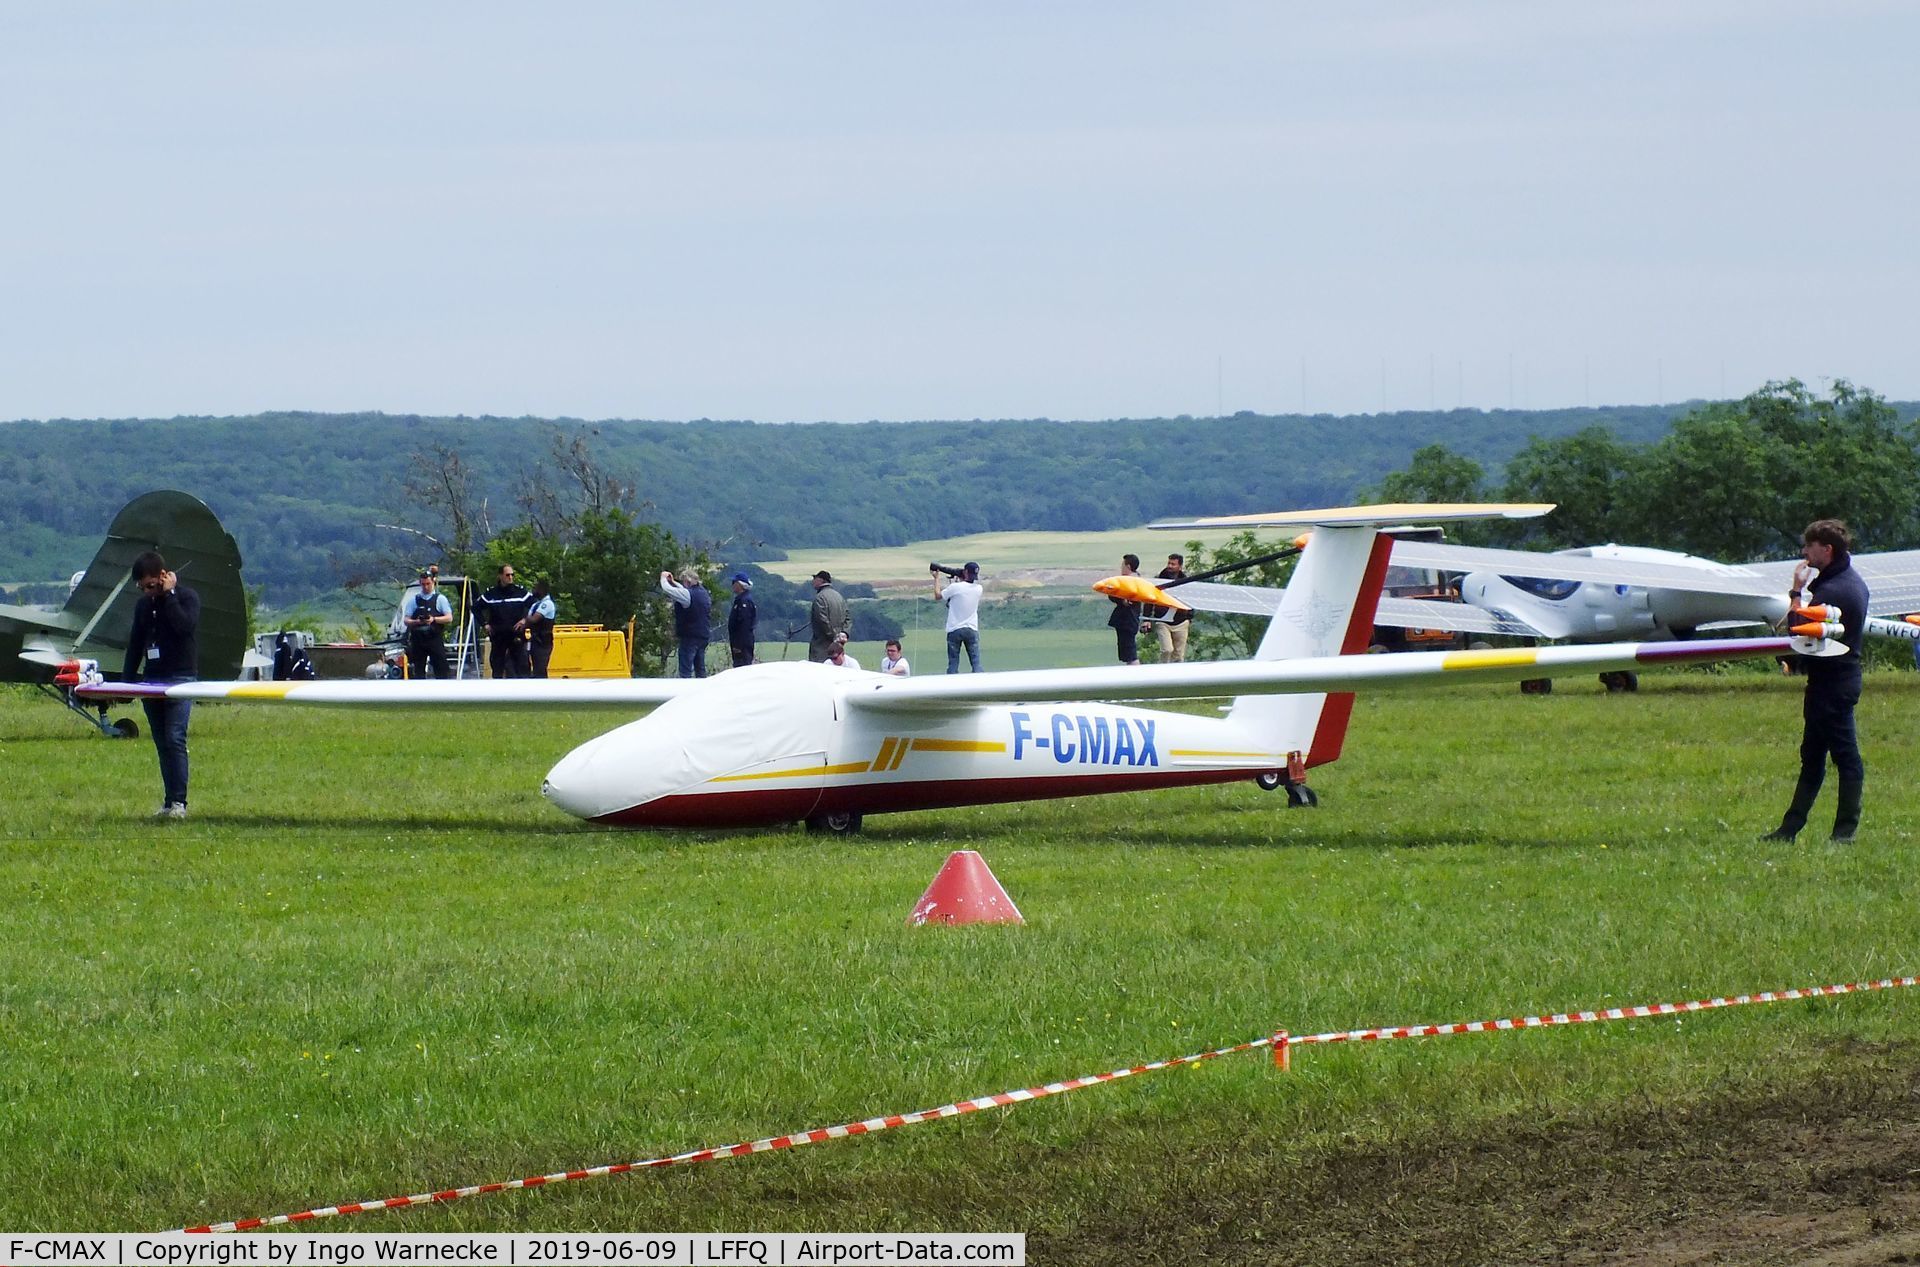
793 749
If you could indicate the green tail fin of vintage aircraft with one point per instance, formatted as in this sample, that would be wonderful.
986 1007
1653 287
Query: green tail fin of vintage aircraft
94 622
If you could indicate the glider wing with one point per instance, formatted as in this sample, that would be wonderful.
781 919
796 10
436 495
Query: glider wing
620 693
1293 677
1707 578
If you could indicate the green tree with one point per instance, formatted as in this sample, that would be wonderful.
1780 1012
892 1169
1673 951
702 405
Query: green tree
1588 476
1738 481
1223 635
578 530
604 568
1434 474
1438 474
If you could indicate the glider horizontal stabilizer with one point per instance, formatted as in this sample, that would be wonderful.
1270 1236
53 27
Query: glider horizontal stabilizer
1379 515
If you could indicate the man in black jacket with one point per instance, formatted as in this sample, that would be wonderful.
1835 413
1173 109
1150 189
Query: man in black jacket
1125 619
504 608
741 619
1833 682
164 646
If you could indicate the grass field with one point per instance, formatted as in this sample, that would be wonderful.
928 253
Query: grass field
375 962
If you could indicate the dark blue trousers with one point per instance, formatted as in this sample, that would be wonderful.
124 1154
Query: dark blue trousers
167 719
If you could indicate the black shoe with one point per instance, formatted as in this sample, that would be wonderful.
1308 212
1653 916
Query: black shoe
1780 833
1842 836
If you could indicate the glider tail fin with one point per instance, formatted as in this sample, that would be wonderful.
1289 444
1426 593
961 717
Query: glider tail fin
1327 610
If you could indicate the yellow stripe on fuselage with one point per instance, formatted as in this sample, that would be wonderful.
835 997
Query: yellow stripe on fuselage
798 772
1490 659
1224 752
958 745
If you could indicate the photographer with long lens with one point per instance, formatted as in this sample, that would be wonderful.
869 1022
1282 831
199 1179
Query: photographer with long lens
961 594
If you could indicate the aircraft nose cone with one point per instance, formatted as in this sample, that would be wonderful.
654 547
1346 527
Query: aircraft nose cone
579 783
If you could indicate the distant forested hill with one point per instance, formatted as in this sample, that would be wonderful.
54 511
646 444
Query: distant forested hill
303 492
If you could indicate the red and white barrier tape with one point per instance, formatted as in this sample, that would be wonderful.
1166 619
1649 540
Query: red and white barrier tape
867 1127
1608 1014
1280 1041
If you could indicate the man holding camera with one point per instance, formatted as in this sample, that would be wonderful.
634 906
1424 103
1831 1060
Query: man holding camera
962 597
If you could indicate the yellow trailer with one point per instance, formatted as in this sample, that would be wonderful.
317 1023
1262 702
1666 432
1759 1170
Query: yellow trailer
591 651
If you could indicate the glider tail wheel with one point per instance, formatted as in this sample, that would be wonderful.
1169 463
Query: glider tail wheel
1299 795
1621 681
126 728
843 823
1537 686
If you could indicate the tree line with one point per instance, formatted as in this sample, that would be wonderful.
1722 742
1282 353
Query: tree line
308 496
1735 481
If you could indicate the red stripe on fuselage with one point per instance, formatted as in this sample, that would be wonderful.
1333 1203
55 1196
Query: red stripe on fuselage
762 808
1330 735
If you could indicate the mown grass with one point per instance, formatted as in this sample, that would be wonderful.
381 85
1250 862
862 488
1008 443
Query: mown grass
374 961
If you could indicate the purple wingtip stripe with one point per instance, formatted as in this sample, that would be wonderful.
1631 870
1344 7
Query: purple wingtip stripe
1709 649
122 690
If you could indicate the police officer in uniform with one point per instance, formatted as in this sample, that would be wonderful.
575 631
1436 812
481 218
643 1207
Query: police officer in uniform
538 626
428 615
504 608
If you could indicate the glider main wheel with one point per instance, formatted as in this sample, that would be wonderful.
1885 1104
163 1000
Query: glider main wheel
1537 686
1620 681
1270 780
127 728
1300 796
843 823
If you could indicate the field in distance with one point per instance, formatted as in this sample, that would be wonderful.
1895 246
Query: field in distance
1011 557
375 962
925 645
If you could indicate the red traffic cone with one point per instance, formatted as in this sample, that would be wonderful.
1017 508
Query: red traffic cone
964 892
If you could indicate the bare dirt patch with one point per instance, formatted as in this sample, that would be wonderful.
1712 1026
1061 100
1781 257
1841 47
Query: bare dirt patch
1825 1174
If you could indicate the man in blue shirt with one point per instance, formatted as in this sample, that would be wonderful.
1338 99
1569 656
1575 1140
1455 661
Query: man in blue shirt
537 624
164 646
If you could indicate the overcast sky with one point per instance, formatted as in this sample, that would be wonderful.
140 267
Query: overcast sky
851 211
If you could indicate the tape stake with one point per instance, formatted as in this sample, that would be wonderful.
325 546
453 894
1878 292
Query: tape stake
1282 1051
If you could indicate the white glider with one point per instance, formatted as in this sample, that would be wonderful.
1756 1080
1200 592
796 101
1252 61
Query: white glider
783 742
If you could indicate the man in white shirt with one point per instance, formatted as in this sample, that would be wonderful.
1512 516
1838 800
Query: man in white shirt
839 658
962 597
895 664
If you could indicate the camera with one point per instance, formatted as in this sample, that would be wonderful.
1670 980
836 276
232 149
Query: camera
955 573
